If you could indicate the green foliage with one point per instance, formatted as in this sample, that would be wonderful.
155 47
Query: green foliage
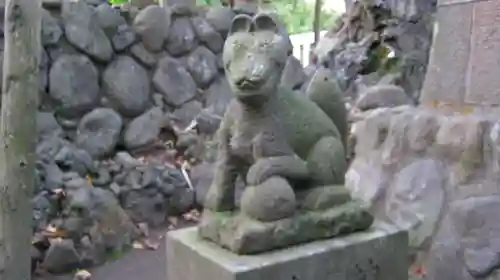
117 2
298 15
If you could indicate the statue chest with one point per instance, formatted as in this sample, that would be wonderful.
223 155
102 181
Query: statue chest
251 141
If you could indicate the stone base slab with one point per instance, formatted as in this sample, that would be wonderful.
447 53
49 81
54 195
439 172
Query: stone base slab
243 235
379 253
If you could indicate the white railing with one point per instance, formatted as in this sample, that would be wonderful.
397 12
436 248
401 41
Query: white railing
302 45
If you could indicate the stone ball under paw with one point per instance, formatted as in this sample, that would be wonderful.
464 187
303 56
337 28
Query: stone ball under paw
272 200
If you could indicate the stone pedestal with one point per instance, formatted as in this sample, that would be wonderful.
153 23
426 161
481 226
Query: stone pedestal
379 253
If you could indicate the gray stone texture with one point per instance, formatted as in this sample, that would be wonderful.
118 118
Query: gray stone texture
484 87
379 254
438 181
452 44
465 38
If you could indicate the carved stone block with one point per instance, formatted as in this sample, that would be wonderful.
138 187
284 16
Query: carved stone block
377 254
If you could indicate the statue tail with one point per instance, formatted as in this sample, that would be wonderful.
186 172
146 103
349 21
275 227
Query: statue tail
324 91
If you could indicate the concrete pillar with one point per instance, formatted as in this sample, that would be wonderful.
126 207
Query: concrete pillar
464 63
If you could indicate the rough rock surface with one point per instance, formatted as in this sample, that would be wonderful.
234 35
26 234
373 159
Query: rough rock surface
99 132
152 24
73 85
127 86
82 29
402 29
174 82
433 173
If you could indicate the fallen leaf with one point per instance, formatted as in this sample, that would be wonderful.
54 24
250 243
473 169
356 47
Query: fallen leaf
82 275
89 179
174 221
51 228
420 271
58 191
138 245
143 227
150 245
193 216
146 244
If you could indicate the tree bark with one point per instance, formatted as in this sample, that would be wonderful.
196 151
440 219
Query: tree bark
18 135
317 19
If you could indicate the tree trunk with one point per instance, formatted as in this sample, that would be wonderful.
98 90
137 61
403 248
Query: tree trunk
317 19
18 136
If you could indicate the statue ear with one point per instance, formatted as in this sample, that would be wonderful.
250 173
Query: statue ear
265 22
241 23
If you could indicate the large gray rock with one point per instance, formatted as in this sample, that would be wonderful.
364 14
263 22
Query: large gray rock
62 47
51 31
174 82
73 85
467 245
416 201
127 85
220 18
207 34
382 96
202 64
219 94
182 38
99 132
61 256
144 129
207 122
145 207
366 180
108 214
476 221
183 116
139 52
123 38
116 28
109 18
82 29
152 24
75 160
47 125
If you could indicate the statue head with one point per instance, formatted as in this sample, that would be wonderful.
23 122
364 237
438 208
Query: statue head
255 54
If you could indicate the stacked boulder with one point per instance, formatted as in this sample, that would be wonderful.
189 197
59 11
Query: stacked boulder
127 99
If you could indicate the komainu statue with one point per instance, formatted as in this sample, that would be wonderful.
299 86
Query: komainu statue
285 147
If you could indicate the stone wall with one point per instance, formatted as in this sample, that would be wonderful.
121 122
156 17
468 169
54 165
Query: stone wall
436 174
129 99
357 47
434 169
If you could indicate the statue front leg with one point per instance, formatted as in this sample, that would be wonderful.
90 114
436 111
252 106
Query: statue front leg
220 196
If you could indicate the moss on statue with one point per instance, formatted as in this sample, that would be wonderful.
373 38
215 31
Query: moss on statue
287 149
